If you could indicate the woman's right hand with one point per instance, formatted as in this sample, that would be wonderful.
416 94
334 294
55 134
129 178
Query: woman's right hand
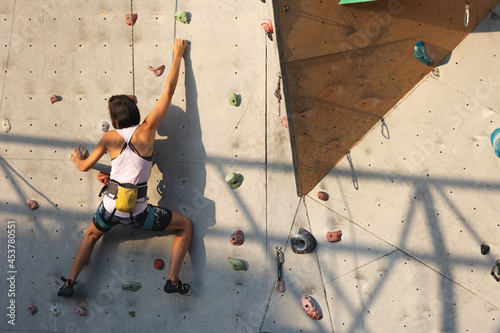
179 47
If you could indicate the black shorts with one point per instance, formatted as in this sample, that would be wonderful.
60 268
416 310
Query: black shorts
153 218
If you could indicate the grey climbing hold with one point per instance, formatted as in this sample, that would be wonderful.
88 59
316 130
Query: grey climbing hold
182 17
6 125
494 15
104 126
303 242
435 71
235 99
237 264
421 55
131 285
234 179
484 249
55 309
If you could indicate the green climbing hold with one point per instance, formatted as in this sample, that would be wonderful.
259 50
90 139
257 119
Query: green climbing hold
131 285
420 54
237 264
182 17
131 313
234 179
235 99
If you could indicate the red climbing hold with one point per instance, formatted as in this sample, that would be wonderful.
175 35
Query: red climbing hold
323 196
32 309
81 311
157 71
130 19
32 204
237 238
159 263
54 98
334 236
132 97
267 24
309 306
103 177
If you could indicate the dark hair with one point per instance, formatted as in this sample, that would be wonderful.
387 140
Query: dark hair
123 111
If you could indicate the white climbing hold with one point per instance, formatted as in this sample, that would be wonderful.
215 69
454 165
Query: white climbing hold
55 309
104 126
6 125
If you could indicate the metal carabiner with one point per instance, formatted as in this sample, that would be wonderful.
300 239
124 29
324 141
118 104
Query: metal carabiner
467 13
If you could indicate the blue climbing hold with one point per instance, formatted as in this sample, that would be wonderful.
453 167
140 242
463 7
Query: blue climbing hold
495 141
420 54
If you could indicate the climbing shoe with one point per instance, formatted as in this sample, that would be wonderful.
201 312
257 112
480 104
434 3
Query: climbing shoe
182 288
66 290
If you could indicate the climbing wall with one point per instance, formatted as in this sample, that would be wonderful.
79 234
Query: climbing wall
346 66
84 53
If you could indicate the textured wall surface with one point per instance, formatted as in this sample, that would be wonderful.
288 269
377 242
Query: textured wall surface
427 186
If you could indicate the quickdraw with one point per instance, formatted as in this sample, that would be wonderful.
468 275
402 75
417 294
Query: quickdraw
467 13
279 286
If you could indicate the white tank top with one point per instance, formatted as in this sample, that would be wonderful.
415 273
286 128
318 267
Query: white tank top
128 167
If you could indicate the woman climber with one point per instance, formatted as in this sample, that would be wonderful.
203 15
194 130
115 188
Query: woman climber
125 202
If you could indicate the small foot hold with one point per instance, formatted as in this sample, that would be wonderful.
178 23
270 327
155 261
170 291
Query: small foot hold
104 126
181 288
182 17
55 98
32 204
494 15
267 24
234 179
420 54
323 196
157 71
334 236
6 125
32 309
55 310
284 122
131 314
158 263
310 307
237 264
302 242
484 249
237 238
235 99
130 19
495 271
81 311
131 285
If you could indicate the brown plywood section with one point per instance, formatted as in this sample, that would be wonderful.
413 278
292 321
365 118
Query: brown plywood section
345 66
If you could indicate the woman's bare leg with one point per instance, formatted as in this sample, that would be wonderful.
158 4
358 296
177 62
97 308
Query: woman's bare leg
183 227
84 251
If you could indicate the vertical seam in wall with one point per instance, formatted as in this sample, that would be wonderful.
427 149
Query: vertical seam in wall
133 64
8 56
320 272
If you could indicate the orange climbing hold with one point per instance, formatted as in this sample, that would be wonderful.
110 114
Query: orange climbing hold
267 24
334 236
103 177
132 97
309 306
54 98
32 204
157 71
130 19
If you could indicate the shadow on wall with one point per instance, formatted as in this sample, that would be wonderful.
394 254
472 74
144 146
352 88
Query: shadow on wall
181 159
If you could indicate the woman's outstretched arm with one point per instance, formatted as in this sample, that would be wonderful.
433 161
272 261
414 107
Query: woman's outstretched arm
154 119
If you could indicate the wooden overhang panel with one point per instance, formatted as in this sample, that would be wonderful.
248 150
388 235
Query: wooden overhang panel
346 66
